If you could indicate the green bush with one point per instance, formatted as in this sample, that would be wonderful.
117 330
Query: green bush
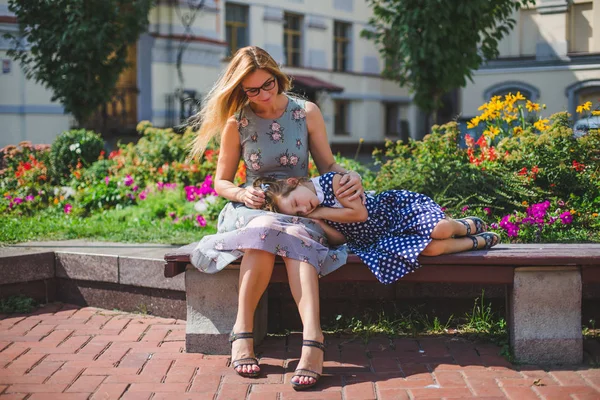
71 150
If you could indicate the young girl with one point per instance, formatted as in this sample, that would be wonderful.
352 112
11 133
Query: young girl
388 233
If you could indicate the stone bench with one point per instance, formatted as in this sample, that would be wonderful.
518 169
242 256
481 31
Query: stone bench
543 281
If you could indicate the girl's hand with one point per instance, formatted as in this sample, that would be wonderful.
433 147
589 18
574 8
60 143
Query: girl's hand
351 187
252 197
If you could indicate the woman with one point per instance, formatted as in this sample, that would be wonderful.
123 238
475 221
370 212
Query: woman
273 133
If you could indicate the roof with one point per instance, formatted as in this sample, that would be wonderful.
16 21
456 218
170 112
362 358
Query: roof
310 83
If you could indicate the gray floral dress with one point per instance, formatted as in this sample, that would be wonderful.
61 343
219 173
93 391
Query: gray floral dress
274 148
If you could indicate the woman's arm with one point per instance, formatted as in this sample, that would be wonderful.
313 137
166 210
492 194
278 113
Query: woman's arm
229 158
321 152
352 211
334 237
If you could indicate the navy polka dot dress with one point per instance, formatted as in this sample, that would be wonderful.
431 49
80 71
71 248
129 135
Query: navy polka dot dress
397 230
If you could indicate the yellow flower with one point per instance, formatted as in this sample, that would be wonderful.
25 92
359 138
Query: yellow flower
594 215
509 118
517 130
532 106
524 202
596 112
584 107
491 132
473 123
55 200
519 96
572 211
541 125
482 107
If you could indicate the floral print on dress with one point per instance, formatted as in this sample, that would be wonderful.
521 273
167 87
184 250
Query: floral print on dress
276 132
242 123
253 160
298 143
219 245
263 235
254 138
288 160
298 114
281 251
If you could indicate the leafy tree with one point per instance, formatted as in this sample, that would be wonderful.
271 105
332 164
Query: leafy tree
77 48
432 46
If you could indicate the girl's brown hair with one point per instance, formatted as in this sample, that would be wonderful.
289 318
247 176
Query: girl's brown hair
274 189
227 96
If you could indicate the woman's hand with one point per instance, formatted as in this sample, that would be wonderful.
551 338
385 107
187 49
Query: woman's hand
252 197
351 186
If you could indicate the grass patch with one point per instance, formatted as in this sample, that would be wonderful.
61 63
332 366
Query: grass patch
17 305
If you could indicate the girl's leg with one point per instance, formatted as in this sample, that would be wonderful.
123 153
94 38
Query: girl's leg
438 247
448 227
255 274
304 285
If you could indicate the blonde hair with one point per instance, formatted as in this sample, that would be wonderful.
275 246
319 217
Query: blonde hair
275 189
227 97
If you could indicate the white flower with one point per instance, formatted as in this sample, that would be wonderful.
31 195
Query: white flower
78 151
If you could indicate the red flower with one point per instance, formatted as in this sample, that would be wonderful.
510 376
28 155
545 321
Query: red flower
578 166
481 142
523 171
27 166
469 140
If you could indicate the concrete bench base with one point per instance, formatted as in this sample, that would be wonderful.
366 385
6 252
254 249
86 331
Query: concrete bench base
545 315
212 303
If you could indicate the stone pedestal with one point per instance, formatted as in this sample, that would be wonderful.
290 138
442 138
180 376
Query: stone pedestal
545 315
212 302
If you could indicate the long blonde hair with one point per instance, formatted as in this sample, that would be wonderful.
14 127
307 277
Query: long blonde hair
227 96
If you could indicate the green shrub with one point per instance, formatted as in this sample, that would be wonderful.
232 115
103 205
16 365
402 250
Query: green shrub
71 150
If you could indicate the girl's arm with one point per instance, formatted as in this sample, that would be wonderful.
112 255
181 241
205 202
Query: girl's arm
334 236
229 158
352 211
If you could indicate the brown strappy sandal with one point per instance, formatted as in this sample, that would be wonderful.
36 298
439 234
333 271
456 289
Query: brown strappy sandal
491 239
249 361
480 225
307 373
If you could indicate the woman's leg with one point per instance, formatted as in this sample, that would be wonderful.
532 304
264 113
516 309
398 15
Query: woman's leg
255 274
304 284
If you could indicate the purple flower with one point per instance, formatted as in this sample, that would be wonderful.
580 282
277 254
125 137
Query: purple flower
552 220
201 221
172 214
561 203
106 179
566 218
444 209
464 209
128 181
143 194
18 200
487 210
30 198
160 185
68 208
131 196
494 225
8 196
135 188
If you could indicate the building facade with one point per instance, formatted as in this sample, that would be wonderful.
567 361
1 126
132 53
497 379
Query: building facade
552 56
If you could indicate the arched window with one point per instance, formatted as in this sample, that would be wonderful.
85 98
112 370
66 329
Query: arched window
503 88
580 92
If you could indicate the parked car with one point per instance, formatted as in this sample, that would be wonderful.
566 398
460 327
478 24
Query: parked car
583 126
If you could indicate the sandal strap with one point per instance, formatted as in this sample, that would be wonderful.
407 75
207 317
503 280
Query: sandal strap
475 242
313 343
241 335
306 373
244 361
466 224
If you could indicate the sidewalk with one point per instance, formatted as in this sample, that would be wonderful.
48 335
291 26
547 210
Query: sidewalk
68 352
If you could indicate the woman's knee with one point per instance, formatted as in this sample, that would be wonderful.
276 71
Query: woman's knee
264 221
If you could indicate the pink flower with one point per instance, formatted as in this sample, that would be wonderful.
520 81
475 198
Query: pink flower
135 188
172 214
253 157
143 194
18 200
106 179
276 137
255 166
128 181
160 185
566 218
201 221
68 208
487 210
294 160
275 127
29 198
464 209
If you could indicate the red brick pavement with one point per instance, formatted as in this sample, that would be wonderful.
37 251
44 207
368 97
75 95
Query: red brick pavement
68 352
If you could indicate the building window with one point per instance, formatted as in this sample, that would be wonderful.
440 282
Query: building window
341 45
292 37
396 121
236 27
341 118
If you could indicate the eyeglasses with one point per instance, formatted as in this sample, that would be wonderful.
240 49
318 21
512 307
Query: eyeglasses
268 85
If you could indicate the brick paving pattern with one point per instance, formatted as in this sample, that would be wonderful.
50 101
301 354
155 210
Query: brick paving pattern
68 352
